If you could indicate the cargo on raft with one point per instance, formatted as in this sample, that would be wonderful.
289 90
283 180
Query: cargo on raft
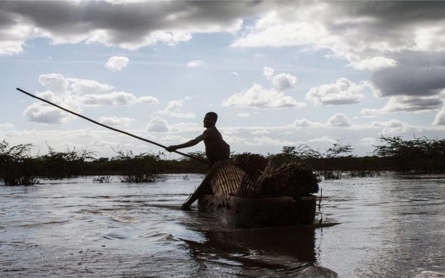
248 191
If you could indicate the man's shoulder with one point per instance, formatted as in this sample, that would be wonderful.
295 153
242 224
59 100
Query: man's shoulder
210 130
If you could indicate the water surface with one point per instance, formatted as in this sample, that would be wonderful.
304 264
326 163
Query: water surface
390 226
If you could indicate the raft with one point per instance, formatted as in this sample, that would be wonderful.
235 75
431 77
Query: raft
249 191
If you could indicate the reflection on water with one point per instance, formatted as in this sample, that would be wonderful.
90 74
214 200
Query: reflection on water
389 226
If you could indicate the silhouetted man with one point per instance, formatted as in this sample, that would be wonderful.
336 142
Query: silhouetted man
216 148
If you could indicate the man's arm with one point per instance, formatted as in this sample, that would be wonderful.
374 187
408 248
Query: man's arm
190 143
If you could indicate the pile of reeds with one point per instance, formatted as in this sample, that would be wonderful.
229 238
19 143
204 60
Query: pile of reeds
253 176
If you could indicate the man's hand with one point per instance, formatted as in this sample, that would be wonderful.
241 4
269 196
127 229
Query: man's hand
171 148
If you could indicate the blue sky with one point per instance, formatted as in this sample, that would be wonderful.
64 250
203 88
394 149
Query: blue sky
285 73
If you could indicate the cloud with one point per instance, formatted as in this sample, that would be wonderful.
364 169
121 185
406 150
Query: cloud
374 63
111 99
268 141
401 42
440 117
268 72
6 125
116 99
74 94
339 120
303 123
195 64
380 37
400 104
262 131
322 139
406 80
148 100
117 63
86 87
392 123
282 81
43 113
370 112
341 92
350 30
54 82
411 104
21 134
369 141
258 97
115 121
140 24
170 139
392 126
174 109
157 124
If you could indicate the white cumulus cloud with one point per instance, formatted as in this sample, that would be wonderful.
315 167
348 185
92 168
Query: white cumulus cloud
115 121
157 124
258 97
117 63
195 64
339 119
440 117
374 63
282 81
303 123
174 109
392 123
341 92
74 94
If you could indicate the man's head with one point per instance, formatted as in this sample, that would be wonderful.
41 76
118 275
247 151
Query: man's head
210 119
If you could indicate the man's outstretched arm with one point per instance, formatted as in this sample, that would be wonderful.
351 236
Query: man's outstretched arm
190 143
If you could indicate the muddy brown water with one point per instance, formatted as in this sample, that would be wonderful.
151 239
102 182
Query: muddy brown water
389 226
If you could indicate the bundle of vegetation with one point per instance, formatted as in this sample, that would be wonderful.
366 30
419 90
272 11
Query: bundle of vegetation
253 176
252 164
293 179
139 168
16 165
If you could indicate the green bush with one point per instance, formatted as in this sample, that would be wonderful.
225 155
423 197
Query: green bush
16 165
60 165
139 168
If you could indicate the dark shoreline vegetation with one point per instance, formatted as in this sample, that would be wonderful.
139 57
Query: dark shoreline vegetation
418 155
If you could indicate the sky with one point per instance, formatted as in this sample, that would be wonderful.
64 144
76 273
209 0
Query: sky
278 73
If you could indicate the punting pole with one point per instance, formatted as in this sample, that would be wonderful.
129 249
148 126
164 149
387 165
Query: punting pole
109 127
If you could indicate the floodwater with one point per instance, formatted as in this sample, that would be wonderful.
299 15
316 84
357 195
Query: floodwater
389 226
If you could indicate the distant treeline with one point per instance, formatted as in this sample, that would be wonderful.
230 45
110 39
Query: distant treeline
18 167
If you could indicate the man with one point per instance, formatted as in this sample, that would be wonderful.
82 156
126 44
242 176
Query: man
215 147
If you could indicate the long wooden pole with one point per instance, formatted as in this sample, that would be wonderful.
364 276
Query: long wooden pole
109 127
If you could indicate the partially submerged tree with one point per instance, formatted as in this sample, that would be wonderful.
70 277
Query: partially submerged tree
67 164
339 150
139 168
291 154
16 165
418 154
